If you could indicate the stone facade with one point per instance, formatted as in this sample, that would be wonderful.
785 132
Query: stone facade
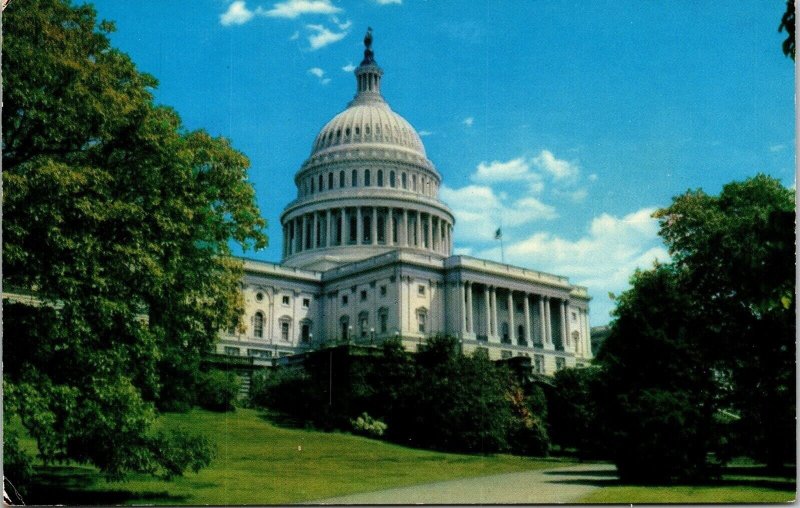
367 255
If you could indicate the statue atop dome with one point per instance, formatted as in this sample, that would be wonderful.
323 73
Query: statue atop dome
369 56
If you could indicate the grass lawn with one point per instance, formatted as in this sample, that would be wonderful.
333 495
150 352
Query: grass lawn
738 485
260 463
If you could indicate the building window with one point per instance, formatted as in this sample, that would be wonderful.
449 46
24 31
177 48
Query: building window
344 299
353 228
366 234
421 290
520 307
404 181
538 364
330 181
367 179
259 296
232 351
363 324
344 323
341 179
574 316
383 290
422 317
305 331
258 325
354 178
383 315
259 353
505 354
576 338
561 363
285 330
285 300
363 295
414 183
521 335
380 178
504 338
306 303
321 182
392 182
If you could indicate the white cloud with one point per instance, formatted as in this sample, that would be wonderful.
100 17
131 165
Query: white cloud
593 177
322 36
468 121
316 71
479 211
342 26
496 171
349 67
325 81
462 251
576 196
603 259
424 133
237 14
777 147
388 2
559 169
294 8
295 35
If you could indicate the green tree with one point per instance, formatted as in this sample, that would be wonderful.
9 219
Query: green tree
700 357
573 412
787 23
118 221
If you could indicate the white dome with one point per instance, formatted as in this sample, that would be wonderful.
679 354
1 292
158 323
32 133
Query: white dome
371 122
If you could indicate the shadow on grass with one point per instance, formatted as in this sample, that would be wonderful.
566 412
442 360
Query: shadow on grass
72 485
757 478
286 421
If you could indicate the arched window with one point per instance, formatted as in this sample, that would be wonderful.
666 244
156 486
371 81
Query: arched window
312 185
341 179
344 327
367 179
363 324
258 325
392 182
422 320
383 318
404 181
354 178
414 183
286 325
321 182
380 178
330 181
305 330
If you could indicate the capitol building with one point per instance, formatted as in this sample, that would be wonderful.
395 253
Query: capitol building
368 255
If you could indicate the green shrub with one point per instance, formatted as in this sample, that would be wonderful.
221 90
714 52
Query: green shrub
217 390
368 426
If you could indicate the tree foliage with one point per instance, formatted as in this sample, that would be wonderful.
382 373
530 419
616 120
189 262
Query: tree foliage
787 23
700 358
117 220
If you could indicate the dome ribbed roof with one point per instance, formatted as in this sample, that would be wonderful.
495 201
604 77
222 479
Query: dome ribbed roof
368 122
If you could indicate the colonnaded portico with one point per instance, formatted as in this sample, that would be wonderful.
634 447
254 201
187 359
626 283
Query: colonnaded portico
368 255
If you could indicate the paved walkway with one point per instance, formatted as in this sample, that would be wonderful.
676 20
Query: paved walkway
547 486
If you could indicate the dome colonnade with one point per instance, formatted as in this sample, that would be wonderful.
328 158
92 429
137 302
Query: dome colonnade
367 187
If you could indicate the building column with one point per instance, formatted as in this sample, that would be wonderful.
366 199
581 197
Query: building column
304 222
511 323
374 225
418 243
388 221
543 321
528 334
314 243
488 311
495 328
463 297
359 226
328 228
429 234
564 337
470 321
588 336
404 229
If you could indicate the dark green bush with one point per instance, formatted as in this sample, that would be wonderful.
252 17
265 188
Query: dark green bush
217 390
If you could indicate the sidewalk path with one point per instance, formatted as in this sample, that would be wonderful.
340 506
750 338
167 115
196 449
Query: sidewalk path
561 485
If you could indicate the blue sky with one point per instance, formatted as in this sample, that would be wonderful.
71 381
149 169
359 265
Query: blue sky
569 121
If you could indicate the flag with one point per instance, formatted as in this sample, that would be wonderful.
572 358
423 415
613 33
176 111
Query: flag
498 235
